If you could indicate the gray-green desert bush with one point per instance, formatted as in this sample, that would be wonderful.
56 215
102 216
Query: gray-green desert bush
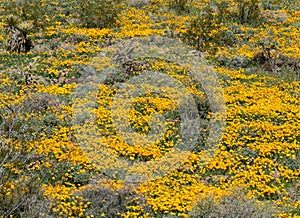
235 205
112 202
20 185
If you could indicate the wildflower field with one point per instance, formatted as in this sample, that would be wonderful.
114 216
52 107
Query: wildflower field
63 66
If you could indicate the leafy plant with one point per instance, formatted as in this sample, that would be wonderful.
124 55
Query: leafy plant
98 13
179 6
248 11
205 31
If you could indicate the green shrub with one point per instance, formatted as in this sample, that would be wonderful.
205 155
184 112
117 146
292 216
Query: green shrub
204 32
277 4
98 13
214 25
248 11
235 62
198 32
179 6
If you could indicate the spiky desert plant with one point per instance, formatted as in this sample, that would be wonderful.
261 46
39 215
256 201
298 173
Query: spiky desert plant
25 27
33 10
17 34
11 21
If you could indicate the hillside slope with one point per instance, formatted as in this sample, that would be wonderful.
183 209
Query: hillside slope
61 66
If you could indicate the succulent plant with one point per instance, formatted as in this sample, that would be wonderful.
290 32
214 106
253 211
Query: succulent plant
11 20
25 27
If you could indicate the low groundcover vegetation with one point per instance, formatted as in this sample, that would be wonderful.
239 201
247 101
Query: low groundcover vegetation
48 48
